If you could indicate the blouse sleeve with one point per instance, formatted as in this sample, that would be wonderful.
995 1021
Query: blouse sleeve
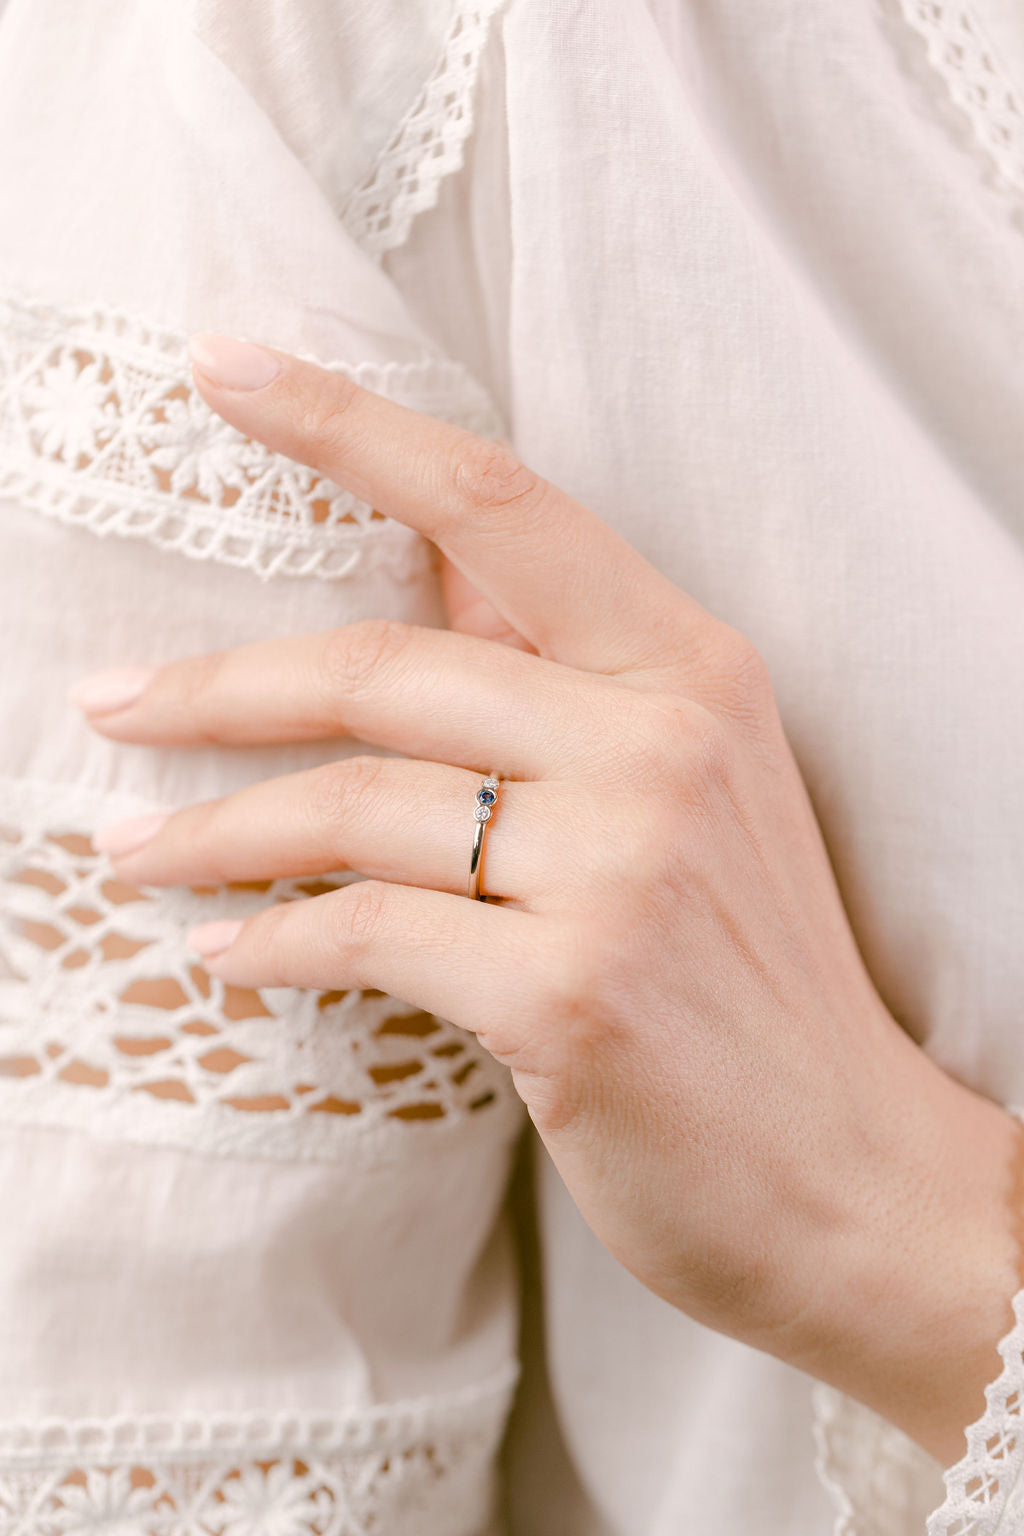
255 1274
882 1483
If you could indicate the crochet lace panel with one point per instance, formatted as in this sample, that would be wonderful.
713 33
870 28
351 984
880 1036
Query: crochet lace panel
420 1468
883 1484
976 80
101 427
109 1023
427 145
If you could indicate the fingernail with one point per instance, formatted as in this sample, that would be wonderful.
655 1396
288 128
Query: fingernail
211 938
126 836
102 692
232 364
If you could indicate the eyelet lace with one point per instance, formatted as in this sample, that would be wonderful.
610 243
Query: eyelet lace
976 79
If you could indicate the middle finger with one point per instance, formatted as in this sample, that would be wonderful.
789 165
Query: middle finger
427 693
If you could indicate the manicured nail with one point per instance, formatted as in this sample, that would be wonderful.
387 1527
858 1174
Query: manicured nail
211 938
126 836
232 364
102 692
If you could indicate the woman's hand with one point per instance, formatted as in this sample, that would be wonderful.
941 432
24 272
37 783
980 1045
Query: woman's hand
664 963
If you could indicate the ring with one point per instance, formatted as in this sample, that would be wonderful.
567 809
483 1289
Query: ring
486 795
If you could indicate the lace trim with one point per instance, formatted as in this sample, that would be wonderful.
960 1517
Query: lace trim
420 1468
984 1490
100 427
961 54
883 1484
108 1024
427 145
382 1426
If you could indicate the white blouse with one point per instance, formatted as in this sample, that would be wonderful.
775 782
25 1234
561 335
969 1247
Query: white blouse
750 282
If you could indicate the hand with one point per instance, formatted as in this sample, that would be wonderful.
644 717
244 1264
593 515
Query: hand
664 963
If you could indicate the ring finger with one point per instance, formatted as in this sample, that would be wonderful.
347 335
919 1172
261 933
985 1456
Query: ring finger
387 817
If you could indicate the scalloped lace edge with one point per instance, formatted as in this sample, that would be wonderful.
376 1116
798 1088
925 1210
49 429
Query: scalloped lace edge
979 1487
379 1426
982 1469
116 493
428 144
401 553
961 55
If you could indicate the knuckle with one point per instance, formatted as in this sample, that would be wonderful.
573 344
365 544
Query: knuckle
577 997
571 985
741 673
644 746
207 829
336 787
363 913
710 757
324 416
195 683
658 739
631 854
688 748
270 935
616 860
487 476
351 657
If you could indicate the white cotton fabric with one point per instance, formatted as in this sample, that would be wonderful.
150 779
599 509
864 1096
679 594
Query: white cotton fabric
747 281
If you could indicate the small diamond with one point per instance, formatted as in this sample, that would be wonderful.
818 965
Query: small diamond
486 796
482 813
490 783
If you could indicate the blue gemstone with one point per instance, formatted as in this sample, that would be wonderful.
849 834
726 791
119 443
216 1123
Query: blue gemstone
486 796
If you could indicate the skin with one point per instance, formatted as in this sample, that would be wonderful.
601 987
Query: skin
664 961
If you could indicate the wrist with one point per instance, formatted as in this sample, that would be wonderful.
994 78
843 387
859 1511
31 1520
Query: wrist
917 1287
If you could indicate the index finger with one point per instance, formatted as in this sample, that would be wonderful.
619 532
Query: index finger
554 570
